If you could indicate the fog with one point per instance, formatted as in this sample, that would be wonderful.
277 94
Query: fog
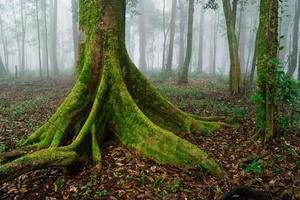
147 41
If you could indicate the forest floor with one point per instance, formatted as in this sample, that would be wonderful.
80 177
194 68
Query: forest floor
274 167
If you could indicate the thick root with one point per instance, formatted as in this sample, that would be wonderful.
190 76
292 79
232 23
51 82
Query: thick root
158 109
57 157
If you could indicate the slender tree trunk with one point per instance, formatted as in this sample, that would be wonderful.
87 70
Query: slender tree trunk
75 28
22 67
236 82
142 36
268 46
201 36
181 34
216 29
294 54
39 37
53 44
3 71
172 36
165 37
110 98
183 75
17 35
45 48
234 11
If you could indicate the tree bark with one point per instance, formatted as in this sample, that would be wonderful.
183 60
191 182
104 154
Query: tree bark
172 36
294 55
110 97
3 72
183 74
22 67
267 51
236 82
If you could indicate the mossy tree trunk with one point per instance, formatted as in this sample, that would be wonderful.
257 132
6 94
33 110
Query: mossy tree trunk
184 70
110 97
266 68
236 82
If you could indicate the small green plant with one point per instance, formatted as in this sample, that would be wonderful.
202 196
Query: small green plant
158 181
2 147
58 184
164 195
86 191
21 142
175 186
94 178
128 177
255 167
102 193
143 178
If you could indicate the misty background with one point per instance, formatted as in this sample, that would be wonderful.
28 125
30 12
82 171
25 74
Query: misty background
39 37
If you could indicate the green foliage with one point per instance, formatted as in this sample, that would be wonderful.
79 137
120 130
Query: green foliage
58 184
102 193
255 167
174 187
2 147
158 181
164 195
86 191
285 94
22 107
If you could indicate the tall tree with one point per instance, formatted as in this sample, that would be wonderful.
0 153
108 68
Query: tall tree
75 28
23 35
39 36
236 82
266 68
110 97
172 36
45 50
201 36
53 38
183 74
181 32
294 54
142 36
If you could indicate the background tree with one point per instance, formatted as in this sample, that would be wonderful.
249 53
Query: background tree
294 55
75 27
53 37
235 78
172 36
110 97
183 74
266 69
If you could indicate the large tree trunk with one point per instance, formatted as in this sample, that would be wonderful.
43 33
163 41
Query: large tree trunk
201 36
183 72
267 50
110 97
172 36
235 78
294 54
